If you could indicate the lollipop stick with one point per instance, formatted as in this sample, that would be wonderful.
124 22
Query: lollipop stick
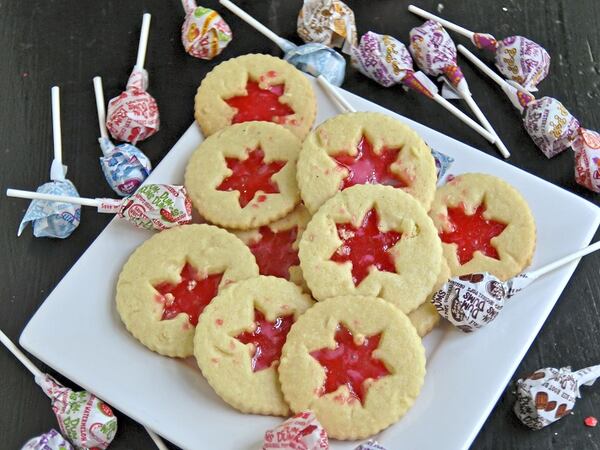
446 24
462 116
56 125
282 43
487 125
19 354
17 193
141 54
157 440
98 91
482 66
335 95
564 260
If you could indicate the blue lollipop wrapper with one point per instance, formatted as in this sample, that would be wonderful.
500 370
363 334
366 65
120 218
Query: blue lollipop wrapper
52 440
442 163
317 59
125 166
53 219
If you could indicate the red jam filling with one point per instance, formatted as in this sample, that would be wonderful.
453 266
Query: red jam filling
366 246
259 104
349 364
368 167
274 251
251 175
191 295
471 233
268 339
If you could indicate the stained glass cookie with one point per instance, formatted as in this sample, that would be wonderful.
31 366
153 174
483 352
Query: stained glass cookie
255 87
168 281
356 362
364 148
239 339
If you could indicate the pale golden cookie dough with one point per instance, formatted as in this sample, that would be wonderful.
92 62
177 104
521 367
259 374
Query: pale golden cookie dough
417 255
299 217
225 361
387 398
229 79
320 177
503 203
160 259
207 168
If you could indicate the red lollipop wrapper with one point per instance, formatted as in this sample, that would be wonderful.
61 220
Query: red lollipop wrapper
85 420
549 394
133 115
587 159
301 432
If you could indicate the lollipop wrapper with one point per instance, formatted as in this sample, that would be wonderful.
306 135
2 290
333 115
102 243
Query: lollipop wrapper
470 301
550 125
204 33
327 22
522 60
125 167
587 159
84 419
301 432
370 445
318 59
53 219
153 207
517 97
52 440
442 163
484 41
133 115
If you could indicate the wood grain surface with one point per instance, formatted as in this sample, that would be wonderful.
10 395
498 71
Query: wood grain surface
68 42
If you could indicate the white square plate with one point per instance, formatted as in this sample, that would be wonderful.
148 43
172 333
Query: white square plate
77 330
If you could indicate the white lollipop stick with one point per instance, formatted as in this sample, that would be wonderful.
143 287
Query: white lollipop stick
446 24
143 44
56 125
156 438
17 193
99 92
463 117
564 260
482 66
333 93
487 125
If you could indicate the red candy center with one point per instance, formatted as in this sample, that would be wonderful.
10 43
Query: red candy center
274 251
251 175
471 233
267 338
368 167
366 246
260 104
349 364
191 295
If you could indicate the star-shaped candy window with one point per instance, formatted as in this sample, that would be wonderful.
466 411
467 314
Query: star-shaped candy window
190 295
275 252
471 233
267 339
260 104
251 175
368 167
366 246
350 364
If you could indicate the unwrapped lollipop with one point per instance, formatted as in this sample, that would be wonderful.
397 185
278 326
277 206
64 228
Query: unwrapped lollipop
125 166
52 440
57 219
328 22
517 58
133 115
471 301
151 207
301 432
549 394
204 33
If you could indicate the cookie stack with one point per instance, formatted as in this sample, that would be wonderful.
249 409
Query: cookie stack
347 215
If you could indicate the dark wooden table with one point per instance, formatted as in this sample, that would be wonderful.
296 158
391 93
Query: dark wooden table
68 42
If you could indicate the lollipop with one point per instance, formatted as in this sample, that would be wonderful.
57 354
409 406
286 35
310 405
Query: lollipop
204 33
435 54
327 22
517 58
549 394
57 220
472 301
152 206
133 115
386 60
52 440
327 65
547 121
587 159
125 167
301 432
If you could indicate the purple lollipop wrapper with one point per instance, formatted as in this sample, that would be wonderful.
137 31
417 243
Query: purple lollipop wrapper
125 167
587 159
52 440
